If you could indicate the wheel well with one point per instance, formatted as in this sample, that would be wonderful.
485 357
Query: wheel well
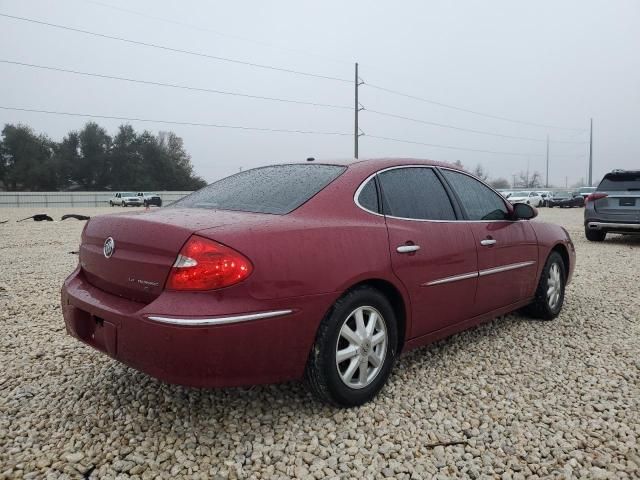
562 250
397 303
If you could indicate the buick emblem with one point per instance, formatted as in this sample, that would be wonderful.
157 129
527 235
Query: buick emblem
109 247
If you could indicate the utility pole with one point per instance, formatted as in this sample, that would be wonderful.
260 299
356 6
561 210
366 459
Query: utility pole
547 182
514 180
357 108
591 153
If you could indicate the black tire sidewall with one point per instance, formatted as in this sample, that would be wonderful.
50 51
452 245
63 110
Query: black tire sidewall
341 393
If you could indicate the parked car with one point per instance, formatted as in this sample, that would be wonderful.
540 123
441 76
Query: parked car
318 271
614 206
566 199
149 199
125 199
528 197
546 197
585 191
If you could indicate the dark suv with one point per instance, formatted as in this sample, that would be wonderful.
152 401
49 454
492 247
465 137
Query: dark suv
614 206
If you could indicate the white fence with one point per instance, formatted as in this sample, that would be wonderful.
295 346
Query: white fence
70 199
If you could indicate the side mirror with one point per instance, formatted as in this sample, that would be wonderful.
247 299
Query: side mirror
522 211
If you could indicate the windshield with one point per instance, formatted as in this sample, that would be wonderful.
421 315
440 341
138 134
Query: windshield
276 189
128 194
520 194
564 194
620 181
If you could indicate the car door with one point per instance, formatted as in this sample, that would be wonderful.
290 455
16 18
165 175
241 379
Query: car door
507 249
432 254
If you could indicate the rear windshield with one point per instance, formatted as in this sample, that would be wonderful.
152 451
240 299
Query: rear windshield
620 181
276 189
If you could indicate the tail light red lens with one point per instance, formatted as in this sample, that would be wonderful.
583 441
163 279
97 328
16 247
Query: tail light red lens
594 196
207 265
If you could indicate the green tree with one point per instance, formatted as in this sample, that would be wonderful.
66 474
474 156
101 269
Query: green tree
91 170
27 160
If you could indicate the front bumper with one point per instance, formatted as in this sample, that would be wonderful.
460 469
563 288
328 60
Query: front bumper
197 351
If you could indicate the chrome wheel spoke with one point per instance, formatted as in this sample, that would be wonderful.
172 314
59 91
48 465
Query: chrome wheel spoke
349 335
348 374
378 338
374 359
371 325
360 328
346 353
362 374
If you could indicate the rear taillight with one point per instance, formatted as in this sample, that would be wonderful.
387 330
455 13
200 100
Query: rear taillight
206 265
594 196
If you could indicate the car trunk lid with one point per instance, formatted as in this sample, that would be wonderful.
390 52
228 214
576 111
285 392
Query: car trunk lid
146 245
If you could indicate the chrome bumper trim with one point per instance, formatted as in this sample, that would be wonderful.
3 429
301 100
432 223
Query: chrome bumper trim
505 268
600 225
219 320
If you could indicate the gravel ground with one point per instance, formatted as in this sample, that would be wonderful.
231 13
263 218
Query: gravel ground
512 399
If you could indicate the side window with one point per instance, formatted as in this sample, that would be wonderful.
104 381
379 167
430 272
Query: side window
416 193
368 197
478 200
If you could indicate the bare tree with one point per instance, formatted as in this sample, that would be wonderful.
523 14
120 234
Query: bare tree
480 172
499 183
459 165
528 180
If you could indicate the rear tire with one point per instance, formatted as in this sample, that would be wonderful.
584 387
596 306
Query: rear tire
354 353
549 296
594 235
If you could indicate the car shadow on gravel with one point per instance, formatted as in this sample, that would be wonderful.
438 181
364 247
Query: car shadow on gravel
631 240
119 379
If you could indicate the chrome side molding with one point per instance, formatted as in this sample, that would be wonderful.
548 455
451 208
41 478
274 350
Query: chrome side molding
480 273
505 268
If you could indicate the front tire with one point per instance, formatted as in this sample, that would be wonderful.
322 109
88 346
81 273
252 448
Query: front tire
594 235
355 349
549 296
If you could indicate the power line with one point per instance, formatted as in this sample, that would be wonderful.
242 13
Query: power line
173 122
176 50
474 112
443 125
452 147
173 85
215 32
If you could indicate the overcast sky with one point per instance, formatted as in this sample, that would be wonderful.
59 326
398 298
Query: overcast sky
547 62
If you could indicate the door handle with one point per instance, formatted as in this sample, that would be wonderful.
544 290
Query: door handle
487 242
407 248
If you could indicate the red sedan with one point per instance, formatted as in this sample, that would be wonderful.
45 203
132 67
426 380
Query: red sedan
318 271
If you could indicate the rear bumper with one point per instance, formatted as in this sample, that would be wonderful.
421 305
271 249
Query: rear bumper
633 227
267 343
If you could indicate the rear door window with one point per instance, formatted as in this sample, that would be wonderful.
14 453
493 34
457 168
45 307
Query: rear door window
478 200
368 197
277 189
415 193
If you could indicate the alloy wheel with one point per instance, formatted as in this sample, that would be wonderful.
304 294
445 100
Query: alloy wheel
361 347
554 286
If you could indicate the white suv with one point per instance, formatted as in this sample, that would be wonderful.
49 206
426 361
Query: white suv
125 199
